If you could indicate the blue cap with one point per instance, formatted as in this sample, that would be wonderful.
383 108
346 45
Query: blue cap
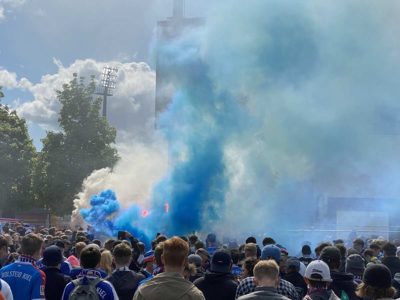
271 252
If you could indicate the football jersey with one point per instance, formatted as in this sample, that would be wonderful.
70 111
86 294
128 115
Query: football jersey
25 279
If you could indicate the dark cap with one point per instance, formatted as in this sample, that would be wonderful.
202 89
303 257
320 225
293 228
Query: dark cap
221 262
378 276
52 256
355 264
294 263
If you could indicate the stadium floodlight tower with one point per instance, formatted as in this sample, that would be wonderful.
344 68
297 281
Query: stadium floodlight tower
107 85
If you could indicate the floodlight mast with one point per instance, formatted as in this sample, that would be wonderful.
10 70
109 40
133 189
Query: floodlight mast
107 85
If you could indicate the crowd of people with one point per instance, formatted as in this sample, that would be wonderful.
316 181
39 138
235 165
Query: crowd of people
61 264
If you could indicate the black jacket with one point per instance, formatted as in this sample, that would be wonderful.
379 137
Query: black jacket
344 282
125 283
55 283
217 286
297 280
393 263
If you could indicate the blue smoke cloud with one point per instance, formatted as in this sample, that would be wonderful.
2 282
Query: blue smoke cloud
277 105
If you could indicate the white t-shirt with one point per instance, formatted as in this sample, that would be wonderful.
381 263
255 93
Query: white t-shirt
6 290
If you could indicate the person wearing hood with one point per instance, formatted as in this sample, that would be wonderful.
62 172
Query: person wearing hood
171 285
318 278
377 283
218 283
342 283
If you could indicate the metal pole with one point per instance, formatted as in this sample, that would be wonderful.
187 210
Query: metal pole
105 103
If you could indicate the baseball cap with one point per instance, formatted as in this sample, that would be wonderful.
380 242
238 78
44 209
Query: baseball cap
52 256
271 252
378 275
355 263
318 270
221 262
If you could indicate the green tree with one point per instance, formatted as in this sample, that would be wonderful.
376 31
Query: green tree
16 162
68 157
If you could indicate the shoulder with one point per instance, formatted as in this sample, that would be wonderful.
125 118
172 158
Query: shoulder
198 281
196 293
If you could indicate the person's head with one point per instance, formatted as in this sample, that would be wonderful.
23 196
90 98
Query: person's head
106 261
306 250
248 266
320 247
377 283
342 250
211 239
3 248
31 245
355 264
266 273
368 255
292 265
221 262
109 244
175 253
193 239
199 245
271 252
205 256
90 257
250 250
338 242
331 256
268 241
97 242
161 238
358 244
235 255
376 248
52 256
78 248
389 250
317 275
251 239
195 259
122 254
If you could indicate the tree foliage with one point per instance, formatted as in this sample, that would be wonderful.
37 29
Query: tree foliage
84 145
16 161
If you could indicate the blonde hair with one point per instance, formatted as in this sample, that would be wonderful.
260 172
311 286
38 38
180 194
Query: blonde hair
367 291
266 269
106 261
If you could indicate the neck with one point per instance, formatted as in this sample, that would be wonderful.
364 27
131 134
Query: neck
118 266
171 269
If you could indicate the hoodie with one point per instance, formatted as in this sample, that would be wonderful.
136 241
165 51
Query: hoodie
168 286
342 284
217 286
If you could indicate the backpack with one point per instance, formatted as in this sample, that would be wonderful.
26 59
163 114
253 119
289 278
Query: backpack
85 291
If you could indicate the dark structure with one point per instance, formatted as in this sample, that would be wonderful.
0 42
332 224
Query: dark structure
168 31
107 85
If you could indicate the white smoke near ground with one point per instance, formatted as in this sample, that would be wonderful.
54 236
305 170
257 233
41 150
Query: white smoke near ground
141 166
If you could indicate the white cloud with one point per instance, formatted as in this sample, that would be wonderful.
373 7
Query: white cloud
7 6
130 110
9 80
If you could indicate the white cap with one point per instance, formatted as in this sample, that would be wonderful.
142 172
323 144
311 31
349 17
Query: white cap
318 270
